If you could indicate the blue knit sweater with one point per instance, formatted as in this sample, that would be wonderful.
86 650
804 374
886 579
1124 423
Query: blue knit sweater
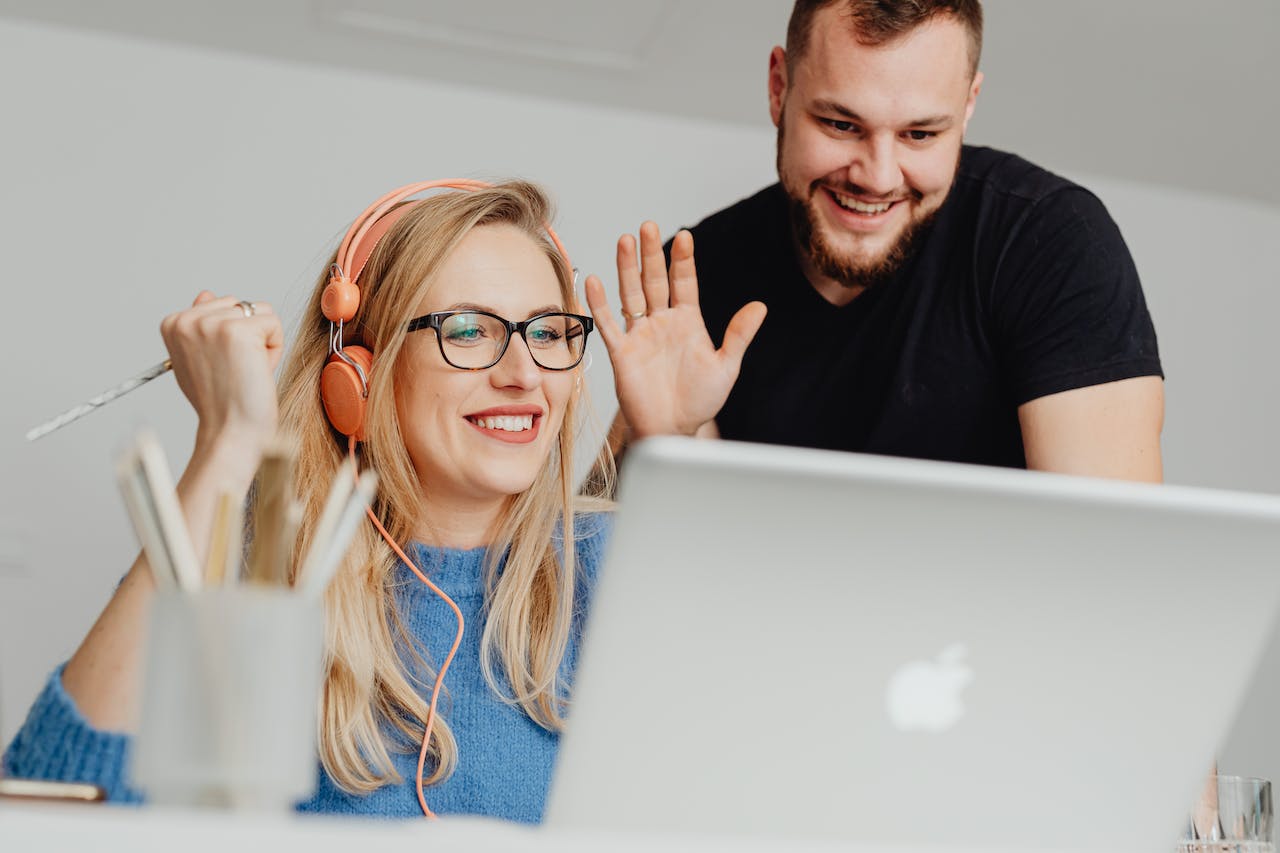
504 758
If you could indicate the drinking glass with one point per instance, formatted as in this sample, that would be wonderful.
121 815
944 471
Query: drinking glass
1233 816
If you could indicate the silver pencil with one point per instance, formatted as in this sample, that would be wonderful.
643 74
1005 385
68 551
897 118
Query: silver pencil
78 412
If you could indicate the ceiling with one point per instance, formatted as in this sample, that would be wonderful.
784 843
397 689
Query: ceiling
1175 92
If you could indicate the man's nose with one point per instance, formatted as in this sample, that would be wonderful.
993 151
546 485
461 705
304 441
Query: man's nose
876 169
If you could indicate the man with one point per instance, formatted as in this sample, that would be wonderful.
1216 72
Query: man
925 298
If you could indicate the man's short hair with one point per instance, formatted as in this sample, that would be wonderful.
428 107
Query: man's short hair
876 22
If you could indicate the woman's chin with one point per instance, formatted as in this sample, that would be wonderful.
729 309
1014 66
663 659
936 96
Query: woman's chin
504 486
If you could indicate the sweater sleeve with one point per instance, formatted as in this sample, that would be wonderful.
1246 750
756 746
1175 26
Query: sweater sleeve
592 541
590 544
56 743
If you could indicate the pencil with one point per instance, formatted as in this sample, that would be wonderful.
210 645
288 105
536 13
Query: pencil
215 568
327 562
167 511
141 512
269 554
344 482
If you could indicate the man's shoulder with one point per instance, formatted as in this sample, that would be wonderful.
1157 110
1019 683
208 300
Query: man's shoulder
988 170
1004 195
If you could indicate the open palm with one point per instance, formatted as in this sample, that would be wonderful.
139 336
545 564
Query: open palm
669 377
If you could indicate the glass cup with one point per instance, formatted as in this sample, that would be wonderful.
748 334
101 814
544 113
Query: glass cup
1233 816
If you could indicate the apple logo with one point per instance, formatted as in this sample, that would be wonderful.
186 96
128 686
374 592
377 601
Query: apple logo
925 695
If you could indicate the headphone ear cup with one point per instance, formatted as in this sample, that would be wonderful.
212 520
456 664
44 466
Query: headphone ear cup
342 392
340 300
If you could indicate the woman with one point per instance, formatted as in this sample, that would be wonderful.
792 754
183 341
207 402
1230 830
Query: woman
469 422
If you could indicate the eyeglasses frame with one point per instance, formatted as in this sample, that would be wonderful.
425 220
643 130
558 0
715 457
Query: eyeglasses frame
435 319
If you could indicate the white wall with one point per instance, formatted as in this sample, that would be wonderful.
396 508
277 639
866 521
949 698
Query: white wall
133 175
1210 268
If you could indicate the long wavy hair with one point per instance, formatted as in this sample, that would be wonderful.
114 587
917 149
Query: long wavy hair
373 700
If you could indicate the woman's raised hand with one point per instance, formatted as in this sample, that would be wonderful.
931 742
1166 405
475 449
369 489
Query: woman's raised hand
224 355
670 378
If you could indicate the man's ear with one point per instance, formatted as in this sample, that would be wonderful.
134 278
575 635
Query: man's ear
777 83
974 89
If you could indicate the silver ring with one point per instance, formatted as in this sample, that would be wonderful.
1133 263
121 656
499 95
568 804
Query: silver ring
638 315
247 307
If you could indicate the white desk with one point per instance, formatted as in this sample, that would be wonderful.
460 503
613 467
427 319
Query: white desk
113 829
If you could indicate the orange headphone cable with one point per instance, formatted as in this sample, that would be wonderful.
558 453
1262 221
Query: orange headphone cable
453 650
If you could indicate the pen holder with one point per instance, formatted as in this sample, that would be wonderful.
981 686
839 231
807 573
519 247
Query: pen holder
229 699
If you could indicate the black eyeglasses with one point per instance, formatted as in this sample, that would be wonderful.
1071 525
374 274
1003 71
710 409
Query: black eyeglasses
475 340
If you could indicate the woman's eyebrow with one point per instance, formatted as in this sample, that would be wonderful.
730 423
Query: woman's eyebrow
472 306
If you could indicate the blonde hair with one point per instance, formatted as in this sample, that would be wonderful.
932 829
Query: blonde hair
376 676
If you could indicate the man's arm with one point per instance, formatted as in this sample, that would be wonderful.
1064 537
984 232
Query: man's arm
1107 430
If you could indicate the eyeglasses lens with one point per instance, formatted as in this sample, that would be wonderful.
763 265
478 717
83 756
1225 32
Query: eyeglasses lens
474 340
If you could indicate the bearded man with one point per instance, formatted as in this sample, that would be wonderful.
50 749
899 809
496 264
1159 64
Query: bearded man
925 298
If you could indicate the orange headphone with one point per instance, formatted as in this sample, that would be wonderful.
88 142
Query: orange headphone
344 382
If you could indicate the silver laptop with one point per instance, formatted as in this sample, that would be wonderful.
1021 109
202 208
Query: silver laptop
892 652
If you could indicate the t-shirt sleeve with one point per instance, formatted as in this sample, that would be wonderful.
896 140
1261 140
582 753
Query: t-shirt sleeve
56 743
1067 303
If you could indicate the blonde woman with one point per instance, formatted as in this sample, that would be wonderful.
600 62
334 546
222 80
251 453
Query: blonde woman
472 403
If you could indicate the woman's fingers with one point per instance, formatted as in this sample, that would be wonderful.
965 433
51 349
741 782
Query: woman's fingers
653 268
684 276
740 332
644 283
273 335
206 304
630 289
610 332
234 306
225 325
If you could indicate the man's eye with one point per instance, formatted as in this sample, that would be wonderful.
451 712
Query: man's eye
920 135
840 126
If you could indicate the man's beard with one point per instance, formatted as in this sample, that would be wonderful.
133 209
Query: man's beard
847 271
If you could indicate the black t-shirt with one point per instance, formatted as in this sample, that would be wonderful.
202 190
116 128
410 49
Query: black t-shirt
1023 287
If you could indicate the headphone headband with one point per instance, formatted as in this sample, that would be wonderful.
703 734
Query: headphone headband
367 231
365 223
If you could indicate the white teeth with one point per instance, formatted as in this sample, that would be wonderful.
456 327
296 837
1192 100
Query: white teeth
860 207
507 423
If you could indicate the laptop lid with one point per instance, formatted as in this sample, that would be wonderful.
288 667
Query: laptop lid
898 652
